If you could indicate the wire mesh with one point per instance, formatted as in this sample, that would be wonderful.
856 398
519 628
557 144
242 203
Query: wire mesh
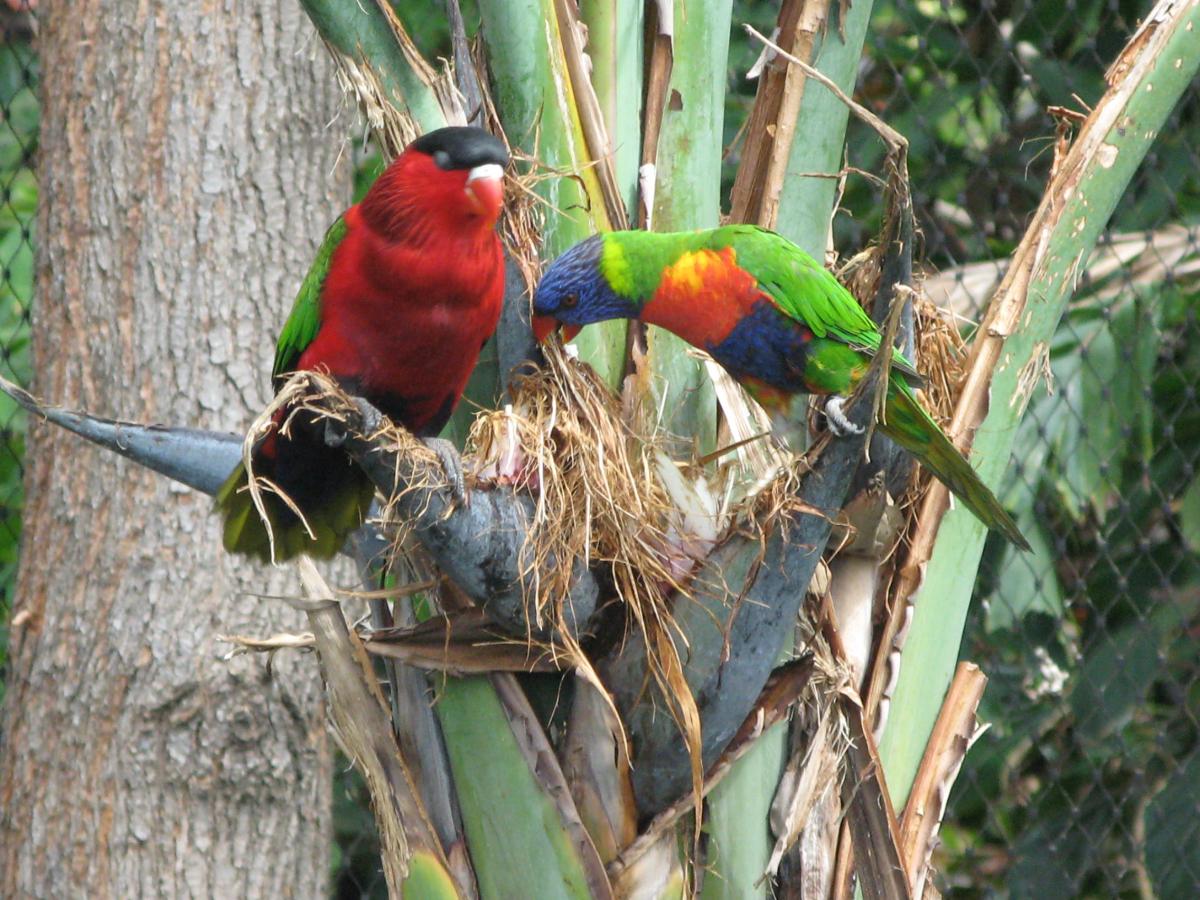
19 115
1088 782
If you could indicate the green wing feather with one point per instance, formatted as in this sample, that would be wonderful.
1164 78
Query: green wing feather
806 291
305 319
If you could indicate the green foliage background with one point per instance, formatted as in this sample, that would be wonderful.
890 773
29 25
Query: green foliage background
1089 780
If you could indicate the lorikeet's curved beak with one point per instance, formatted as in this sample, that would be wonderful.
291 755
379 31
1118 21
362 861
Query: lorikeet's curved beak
485 190
544 326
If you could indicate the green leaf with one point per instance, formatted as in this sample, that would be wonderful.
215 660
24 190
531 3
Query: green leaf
1116 673
1172 850
739 839
518 842
1089 463
428 880
361 32
1026 582
615 46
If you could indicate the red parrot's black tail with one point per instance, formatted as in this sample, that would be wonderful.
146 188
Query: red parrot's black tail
332 493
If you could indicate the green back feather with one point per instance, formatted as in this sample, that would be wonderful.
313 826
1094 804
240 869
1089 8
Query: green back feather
633 262
305 319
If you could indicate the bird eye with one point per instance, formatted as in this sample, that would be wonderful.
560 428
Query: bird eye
441 159
570 301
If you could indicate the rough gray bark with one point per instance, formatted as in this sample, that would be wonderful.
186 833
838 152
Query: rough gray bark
187 174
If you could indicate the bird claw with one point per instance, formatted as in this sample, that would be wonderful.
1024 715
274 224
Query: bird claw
370 418
447 455
335 433
839 422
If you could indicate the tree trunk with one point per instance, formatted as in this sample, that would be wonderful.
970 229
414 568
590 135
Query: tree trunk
187 175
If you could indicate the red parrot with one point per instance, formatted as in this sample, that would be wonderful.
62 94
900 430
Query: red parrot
405 290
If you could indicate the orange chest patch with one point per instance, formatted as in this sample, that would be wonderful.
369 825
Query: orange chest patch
702 296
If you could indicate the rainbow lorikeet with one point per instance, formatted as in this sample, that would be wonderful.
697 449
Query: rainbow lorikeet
766 311
405 290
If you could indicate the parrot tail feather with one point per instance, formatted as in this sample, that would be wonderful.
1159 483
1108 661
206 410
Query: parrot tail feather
334 498
910 426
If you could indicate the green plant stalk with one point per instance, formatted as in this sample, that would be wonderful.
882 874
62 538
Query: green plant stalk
615 45
739 806
428 880
806 202
533 95
360 32
687 196
518 844
939 617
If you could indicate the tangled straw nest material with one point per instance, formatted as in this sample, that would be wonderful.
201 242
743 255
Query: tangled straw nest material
607 494
598 494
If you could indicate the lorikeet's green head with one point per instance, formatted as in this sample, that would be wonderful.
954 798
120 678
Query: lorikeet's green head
575 292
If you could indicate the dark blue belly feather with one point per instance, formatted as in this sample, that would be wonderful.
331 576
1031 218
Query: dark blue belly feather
767 345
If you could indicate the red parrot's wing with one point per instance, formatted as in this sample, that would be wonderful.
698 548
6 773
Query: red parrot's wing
301 326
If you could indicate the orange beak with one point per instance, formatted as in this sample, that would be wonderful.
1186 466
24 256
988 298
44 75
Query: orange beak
544 326
485 191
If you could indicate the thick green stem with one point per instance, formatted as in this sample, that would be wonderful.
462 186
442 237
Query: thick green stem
532 89
361 32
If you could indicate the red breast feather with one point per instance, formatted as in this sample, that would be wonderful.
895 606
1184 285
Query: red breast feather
413 292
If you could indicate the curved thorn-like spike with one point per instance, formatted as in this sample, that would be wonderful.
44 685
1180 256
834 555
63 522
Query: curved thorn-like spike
195 457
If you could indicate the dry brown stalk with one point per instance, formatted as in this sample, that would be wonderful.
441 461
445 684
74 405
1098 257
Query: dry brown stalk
956 730
870 839
595 132
771 126
283 641
869 812
360 719
463 642
660 25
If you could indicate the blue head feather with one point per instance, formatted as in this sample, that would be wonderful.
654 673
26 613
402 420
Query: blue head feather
574 292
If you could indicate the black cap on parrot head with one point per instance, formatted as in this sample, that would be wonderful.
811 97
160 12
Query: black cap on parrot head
461 147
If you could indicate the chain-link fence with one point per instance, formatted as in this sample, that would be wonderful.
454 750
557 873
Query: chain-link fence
1088 782
18 204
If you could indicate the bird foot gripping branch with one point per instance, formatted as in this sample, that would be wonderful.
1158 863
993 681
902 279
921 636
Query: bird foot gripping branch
447 455
839 422
370 421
